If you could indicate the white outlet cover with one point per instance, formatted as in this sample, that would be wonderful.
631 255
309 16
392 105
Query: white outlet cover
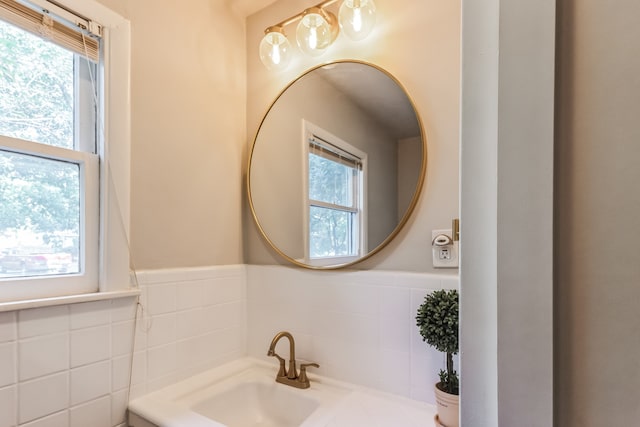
440 261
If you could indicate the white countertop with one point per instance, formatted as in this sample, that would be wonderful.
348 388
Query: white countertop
355 406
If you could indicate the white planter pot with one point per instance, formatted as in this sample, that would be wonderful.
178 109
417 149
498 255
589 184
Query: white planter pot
448 409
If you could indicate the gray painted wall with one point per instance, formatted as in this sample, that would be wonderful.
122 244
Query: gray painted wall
597 214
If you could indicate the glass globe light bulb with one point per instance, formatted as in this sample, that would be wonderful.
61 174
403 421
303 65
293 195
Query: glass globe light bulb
316 31
357 18
275 49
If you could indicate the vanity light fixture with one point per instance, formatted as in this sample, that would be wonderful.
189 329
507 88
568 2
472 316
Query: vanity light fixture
317 29
275 49
357 18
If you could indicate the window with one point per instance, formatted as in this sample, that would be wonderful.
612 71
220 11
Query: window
53 150
335 229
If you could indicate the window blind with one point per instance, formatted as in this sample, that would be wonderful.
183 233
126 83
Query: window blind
322 148
77 36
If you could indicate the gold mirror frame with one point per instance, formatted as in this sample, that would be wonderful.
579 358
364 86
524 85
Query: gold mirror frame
410 208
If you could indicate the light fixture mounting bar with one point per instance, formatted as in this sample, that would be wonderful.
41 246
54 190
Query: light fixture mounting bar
297 17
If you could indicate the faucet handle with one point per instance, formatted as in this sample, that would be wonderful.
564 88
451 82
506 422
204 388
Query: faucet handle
303 372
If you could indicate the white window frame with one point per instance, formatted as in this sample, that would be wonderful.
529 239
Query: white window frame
308 130
110 276
20 288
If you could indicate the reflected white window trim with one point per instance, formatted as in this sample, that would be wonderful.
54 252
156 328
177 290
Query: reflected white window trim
111 274
359 233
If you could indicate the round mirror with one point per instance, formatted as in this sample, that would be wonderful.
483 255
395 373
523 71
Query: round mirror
337 165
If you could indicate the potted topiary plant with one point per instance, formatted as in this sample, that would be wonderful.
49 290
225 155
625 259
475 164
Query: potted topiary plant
437 320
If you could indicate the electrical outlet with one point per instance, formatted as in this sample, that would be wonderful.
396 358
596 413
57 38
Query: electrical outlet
444 255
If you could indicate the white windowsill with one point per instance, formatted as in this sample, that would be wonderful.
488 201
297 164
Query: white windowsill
68 299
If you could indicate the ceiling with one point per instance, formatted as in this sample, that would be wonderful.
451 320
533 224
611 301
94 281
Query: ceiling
376 94
249 7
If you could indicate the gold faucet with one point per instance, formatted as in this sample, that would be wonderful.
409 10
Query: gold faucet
290 376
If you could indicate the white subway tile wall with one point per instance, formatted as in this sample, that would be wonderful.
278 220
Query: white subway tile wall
8 406
358 325
57 366
70 365
193 319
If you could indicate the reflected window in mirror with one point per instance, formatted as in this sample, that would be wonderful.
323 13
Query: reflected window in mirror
336 216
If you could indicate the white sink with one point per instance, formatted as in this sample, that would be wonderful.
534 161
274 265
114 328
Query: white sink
255 404
242 393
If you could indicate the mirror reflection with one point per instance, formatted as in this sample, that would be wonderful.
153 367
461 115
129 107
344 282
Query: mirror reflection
336 166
